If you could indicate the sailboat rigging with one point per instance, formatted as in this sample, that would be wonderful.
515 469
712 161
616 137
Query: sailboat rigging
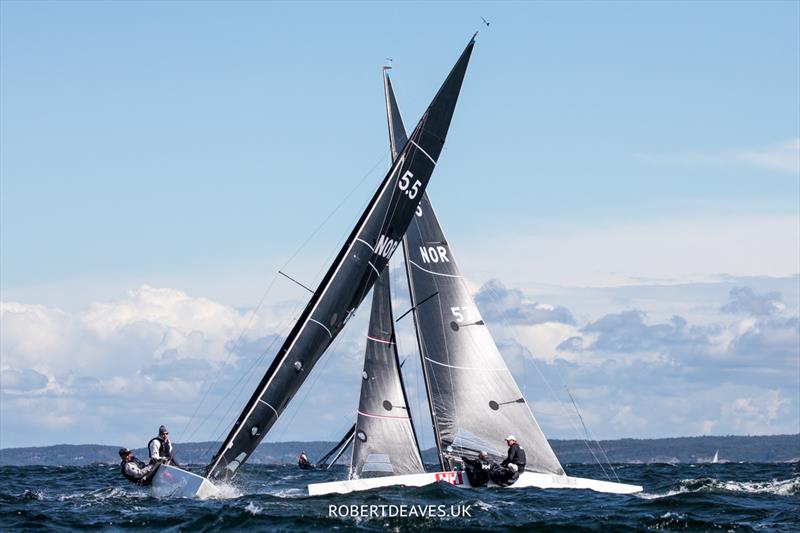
473 398
356 268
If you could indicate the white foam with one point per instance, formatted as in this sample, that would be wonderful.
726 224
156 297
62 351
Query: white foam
252 508
227 492
784 487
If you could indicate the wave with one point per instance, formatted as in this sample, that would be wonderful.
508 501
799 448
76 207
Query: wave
778 487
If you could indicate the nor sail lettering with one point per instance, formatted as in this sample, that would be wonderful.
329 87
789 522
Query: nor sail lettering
385 246
434 254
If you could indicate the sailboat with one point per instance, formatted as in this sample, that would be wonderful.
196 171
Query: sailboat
354 271
473 397
715 459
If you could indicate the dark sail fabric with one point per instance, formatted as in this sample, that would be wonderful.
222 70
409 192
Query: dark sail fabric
385 443
397 131
337 449
348 280
476 401
474 398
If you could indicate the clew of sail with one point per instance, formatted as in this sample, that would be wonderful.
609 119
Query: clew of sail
475 401
358 265
385 442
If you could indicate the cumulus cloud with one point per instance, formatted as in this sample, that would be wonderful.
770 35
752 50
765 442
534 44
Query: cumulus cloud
151 350
744 301
498 303
728 365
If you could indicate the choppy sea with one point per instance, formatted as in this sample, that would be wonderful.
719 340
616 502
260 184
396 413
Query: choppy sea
718 497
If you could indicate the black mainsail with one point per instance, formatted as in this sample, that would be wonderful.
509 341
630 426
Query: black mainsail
385 442
348 280
475 401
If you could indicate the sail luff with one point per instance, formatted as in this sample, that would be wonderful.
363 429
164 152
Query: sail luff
397 141
355 269
397 138
421 346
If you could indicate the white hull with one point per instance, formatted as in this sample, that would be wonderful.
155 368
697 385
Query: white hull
459 479
171 481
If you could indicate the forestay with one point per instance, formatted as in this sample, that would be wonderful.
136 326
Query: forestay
356 268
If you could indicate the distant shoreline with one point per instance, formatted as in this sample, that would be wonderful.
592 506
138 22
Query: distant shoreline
732 448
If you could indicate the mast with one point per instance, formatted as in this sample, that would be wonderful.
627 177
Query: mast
421 345
473 396
397 140
352 274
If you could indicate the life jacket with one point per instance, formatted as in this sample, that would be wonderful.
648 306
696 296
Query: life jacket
521 459
164 450
516 455
128 476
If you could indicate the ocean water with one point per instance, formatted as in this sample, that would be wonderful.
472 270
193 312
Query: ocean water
718 497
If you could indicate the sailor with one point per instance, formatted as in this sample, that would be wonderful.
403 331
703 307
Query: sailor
516 454
303 462
478 469
160 447
135 470
512 466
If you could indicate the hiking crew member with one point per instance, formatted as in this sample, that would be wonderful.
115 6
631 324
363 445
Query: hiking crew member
303 462
512 466
478 469
135 470
160 448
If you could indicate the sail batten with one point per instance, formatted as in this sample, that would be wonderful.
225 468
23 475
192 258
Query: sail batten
348 280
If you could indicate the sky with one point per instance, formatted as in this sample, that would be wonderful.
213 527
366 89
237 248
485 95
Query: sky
620 185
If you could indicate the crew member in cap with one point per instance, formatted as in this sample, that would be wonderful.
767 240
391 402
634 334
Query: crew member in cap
513 465
135 470
160 448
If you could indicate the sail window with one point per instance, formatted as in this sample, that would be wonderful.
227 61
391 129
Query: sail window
361 436
387 405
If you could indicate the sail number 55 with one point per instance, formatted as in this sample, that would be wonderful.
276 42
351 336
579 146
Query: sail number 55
404 183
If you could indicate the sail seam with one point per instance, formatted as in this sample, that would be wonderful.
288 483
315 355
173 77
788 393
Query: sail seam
421 149
268 405
379 340
434 273
365 242
373 268
372 415
467 367
321 324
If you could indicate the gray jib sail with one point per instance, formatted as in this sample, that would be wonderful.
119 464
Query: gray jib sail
385 443
348 280
475 401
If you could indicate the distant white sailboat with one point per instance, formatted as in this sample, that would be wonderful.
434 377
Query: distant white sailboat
716 457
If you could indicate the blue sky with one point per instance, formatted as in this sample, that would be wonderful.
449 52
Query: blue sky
638 161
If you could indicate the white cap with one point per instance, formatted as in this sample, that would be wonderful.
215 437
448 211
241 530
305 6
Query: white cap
511 437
